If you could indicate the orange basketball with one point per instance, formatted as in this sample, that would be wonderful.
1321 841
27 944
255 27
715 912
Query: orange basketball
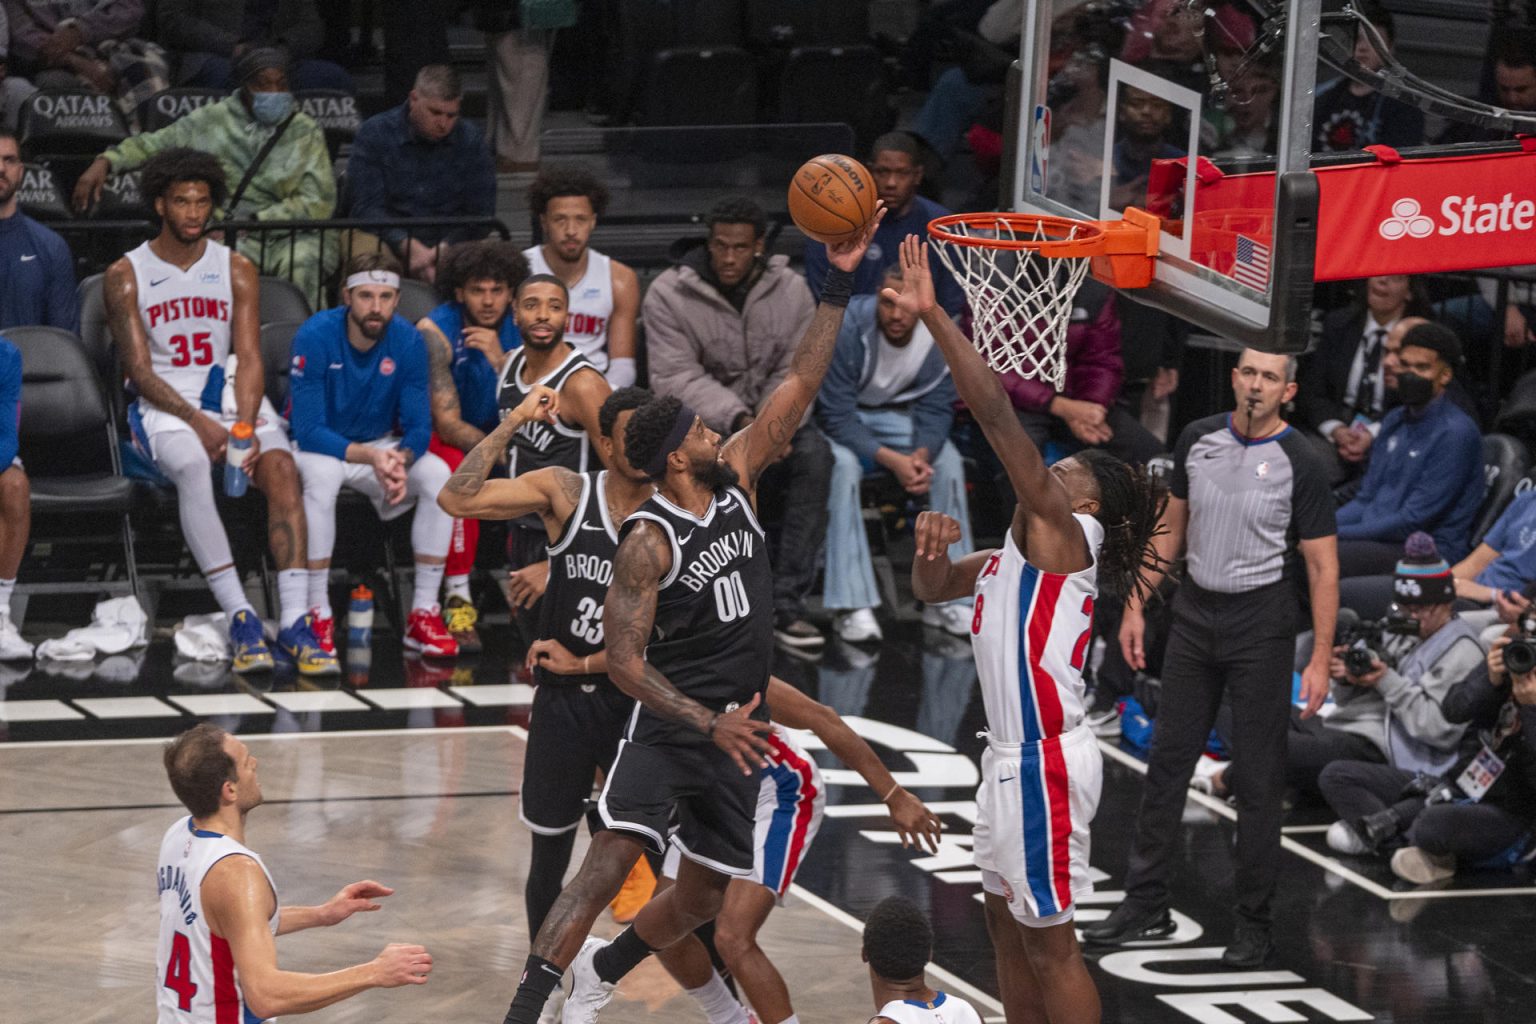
832 197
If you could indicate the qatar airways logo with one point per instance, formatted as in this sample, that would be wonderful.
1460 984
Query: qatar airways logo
1459 215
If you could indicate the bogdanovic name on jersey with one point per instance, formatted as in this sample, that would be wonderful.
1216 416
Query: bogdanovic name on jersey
172 877
721 553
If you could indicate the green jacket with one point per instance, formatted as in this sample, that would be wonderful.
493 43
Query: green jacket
294 182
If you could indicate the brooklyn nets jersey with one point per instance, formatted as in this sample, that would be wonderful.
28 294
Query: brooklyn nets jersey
713 637
186 316
195 981
580 569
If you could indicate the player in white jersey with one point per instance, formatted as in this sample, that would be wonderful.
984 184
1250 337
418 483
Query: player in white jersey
1083 524
182 308
898 940
216 958
604 293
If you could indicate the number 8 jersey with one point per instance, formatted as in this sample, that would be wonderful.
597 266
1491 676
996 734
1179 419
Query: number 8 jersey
1031 631
186 316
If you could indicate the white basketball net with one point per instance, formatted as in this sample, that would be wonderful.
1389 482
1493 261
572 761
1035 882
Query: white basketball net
1021 302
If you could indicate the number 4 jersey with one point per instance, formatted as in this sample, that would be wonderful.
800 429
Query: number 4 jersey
186 316
580 569
194 969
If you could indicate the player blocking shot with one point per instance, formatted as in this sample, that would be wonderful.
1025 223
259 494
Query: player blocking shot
1081 528
182 308
688 626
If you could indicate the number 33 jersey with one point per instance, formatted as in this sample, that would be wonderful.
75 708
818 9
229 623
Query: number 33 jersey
1031 632
186 316
580 569
713 636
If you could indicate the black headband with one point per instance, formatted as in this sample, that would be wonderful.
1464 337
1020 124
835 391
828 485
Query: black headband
680 427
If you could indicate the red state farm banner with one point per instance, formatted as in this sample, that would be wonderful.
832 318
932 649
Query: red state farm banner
1395 216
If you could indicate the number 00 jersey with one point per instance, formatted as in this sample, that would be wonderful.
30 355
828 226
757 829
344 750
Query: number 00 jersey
580 569
1030 632
713 637
195 979
186 315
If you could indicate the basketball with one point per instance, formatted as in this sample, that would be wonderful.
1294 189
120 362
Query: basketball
831 198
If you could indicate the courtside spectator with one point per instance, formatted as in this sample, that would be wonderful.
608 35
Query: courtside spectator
468 339
888 403
1426 468
1349 115
1514 79
13 90
422 160
896 164
362 418
88 44
292 182
37 274
211 38
605 294
721 330
15 501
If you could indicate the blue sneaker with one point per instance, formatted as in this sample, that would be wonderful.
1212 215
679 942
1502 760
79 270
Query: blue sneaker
251 654
300 643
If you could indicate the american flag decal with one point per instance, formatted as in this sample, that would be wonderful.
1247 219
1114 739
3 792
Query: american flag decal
1251 266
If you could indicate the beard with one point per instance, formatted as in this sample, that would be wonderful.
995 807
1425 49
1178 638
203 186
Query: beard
8 189
541 346
715 474
371 328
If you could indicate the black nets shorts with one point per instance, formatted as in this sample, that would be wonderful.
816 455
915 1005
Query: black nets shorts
695 792
574 731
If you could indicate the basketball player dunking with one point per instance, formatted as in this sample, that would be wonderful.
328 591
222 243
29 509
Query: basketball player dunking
689 628
1083 524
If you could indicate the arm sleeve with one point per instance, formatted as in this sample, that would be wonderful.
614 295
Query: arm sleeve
10 407
1438 486
1313 510
112 20
184 30
676 368
837 406
307 390
1416 703
62 303
315 196
415 402
933 416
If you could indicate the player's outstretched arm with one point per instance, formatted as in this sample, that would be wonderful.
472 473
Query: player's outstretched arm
238 901
758 445
915 823
470 494
935 579
447 414
357 898
629 613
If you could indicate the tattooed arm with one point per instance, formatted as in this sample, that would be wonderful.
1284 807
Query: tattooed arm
552 493
447 415
628 615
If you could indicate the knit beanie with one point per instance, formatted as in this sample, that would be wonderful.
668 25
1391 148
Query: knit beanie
1422 576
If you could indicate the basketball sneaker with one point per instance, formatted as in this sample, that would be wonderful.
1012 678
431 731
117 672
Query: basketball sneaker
12 646
1342 838
249 646
589 993
324 630
635 893
299 643
460 615
426 633
954 617
857 626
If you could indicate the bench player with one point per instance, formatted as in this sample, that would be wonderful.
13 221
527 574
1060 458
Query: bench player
179 307
898 943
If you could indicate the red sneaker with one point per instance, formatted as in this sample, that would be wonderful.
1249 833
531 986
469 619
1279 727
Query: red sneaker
427 634
324 630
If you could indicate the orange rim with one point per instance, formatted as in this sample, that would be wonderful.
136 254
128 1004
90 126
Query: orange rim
1064 237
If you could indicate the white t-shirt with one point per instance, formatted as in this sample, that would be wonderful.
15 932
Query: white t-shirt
896 367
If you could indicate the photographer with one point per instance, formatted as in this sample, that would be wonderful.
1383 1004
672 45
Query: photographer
1388 712
1479 809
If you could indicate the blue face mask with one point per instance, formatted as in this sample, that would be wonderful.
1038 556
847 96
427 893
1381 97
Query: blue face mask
269 108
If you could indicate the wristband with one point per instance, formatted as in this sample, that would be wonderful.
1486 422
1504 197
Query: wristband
838 288
887 798
714 721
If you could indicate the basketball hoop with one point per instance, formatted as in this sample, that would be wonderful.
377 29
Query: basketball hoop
1020 273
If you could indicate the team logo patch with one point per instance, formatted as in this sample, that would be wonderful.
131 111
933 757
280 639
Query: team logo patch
298 365
1261 470
591 293
210 277
386 366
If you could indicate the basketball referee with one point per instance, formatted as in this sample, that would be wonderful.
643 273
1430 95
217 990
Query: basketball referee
1247 491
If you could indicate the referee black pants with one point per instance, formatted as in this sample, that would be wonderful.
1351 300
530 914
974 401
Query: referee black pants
1240 646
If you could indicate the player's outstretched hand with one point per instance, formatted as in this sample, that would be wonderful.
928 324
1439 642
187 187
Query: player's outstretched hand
915 823
741 736
356 898
916 295
402 964
846 255
934 533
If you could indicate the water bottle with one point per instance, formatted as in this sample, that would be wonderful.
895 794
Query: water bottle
236 480
360 618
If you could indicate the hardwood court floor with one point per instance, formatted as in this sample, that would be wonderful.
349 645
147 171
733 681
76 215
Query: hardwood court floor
432 813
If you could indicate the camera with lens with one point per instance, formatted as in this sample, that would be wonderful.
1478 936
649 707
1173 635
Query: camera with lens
1367 642
1520 654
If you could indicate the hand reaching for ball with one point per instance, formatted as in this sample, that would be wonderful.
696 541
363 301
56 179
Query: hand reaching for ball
847 255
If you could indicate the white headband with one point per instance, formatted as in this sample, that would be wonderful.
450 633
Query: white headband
388 278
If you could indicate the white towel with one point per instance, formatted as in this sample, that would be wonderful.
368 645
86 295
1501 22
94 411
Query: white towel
117 624
203 637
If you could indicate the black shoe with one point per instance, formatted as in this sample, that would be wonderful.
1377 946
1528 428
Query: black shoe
1130 922
1250 947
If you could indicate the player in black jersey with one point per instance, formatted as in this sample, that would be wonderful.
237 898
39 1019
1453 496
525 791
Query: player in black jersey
689 628
546 359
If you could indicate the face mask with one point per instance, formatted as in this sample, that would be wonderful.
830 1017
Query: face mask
1415 391
269 108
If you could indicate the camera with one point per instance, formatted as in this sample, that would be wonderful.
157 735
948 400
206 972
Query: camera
1367 642
1520 654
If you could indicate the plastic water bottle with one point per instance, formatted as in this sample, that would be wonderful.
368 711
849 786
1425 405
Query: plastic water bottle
360 618
236 480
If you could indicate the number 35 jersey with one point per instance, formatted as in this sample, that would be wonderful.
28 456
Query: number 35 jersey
713 636
1031 631
186 315
580 569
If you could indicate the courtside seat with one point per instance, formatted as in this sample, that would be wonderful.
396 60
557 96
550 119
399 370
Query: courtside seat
1505 462
337 114
282 300
70 121
41 195
168 105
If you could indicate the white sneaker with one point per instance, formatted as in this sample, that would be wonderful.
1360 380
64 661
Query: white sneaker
951 618
858 626
553 1006
1104 723
1412 864
12 646
1342 838
589 993
1204 778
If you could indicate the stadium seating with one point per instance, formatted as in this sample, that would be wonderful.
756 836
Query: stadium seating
336 113
836 83
41 196
698 86
70 121
282 300
170 105
806 23
1505 461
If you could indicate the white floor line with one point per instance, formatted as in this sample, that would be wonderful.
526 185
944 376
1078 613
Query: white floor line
447 730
